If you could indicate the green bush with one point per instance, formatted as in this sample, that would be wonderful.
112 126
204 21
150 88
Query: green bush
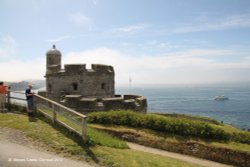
160 123
243 137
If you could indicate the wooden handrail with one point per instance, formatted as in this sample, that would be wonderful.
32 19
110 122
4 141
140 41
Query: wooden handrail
54 112
16 92
52 102
17 98
61 106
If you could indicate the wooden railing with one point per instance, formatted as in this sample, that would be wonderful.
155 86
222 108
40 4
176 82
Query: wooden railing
57 113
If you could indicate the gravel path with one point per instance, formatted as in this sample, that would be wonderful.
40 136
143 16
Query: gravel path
15 155
16 150
202 162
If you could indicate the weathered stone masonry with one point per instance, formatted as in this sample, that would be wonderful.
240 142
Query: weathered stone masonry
86 89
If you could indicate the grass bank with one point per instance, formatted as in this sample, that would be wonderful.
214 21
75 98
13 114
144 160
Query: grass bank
198 137
173 125
49 138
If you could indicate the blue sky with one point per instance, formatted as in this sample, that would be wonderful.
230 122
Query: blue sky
153 41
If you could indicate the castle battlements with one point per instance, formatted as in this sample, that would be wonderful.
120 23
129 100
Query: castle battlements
102 68
74 68
79 68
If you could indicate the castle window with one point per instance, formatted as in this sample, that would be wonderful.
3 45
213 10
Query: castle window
75 86
50 61
103 85
49 88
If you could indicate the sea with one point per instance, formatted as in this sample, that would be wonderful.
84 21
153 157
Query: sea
199 100
195 100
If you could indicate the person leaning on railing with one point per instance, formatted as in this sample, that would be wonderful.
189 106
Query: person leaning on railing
3 92
29 97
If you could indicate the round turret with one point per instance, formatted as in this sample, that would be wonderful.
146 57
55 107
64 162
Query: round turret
53 60
53 51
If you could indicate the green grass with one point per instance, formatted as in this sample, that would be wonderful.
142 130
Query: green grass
94 136
172 138
157 137
130 158
191 117
53 140
101 138
168 137
41 131
232 145
172 125
221 151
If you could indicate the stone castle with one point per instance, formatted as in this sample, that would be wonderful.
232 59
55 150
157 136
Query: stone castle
86 89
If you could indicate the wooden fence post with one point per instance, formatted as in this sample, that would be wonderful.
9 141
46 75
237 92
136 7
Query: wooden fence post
54 114
84 130
8 101
56 107
35 104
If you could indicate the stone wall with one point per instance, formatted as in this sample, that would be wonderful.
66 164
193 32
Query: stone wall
83 104
75 79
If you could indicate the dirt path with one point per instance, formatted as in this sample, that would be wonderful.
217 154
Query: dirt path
16 150
15 155
182 157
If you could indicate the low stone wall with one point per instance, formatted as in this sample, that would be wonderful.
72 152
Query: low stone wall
118 102
85 104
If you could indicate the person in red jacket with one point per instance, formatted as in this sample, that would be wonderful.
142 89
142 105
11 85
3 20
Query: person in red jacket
3 92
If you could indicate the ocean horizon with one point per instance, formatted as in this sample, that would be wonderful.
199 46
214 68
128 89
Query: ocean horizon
198 100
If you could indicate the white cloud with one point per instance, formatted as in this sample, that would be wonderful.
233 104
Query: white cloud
204 52
17 70
187 67
7 46
160 45
234 21
81 19
131 28
59 39
191 67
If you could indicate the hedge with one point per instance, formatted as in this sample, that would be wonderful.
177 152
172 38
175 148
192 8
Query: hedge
178 126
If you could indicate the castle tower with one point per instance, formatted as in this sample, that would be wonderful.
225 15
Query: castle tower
53 62
53 66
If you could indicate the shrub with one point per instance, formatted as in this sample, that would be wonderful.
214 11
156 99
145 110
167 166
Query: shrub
173 125
243 137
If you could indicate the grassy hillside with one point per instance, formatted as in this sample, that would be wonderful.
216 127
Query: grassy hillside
39 133
192 136
173 125
197 136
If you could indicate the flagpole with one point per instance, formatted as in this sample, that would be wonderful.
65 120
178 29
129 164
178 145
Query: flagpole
130 82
